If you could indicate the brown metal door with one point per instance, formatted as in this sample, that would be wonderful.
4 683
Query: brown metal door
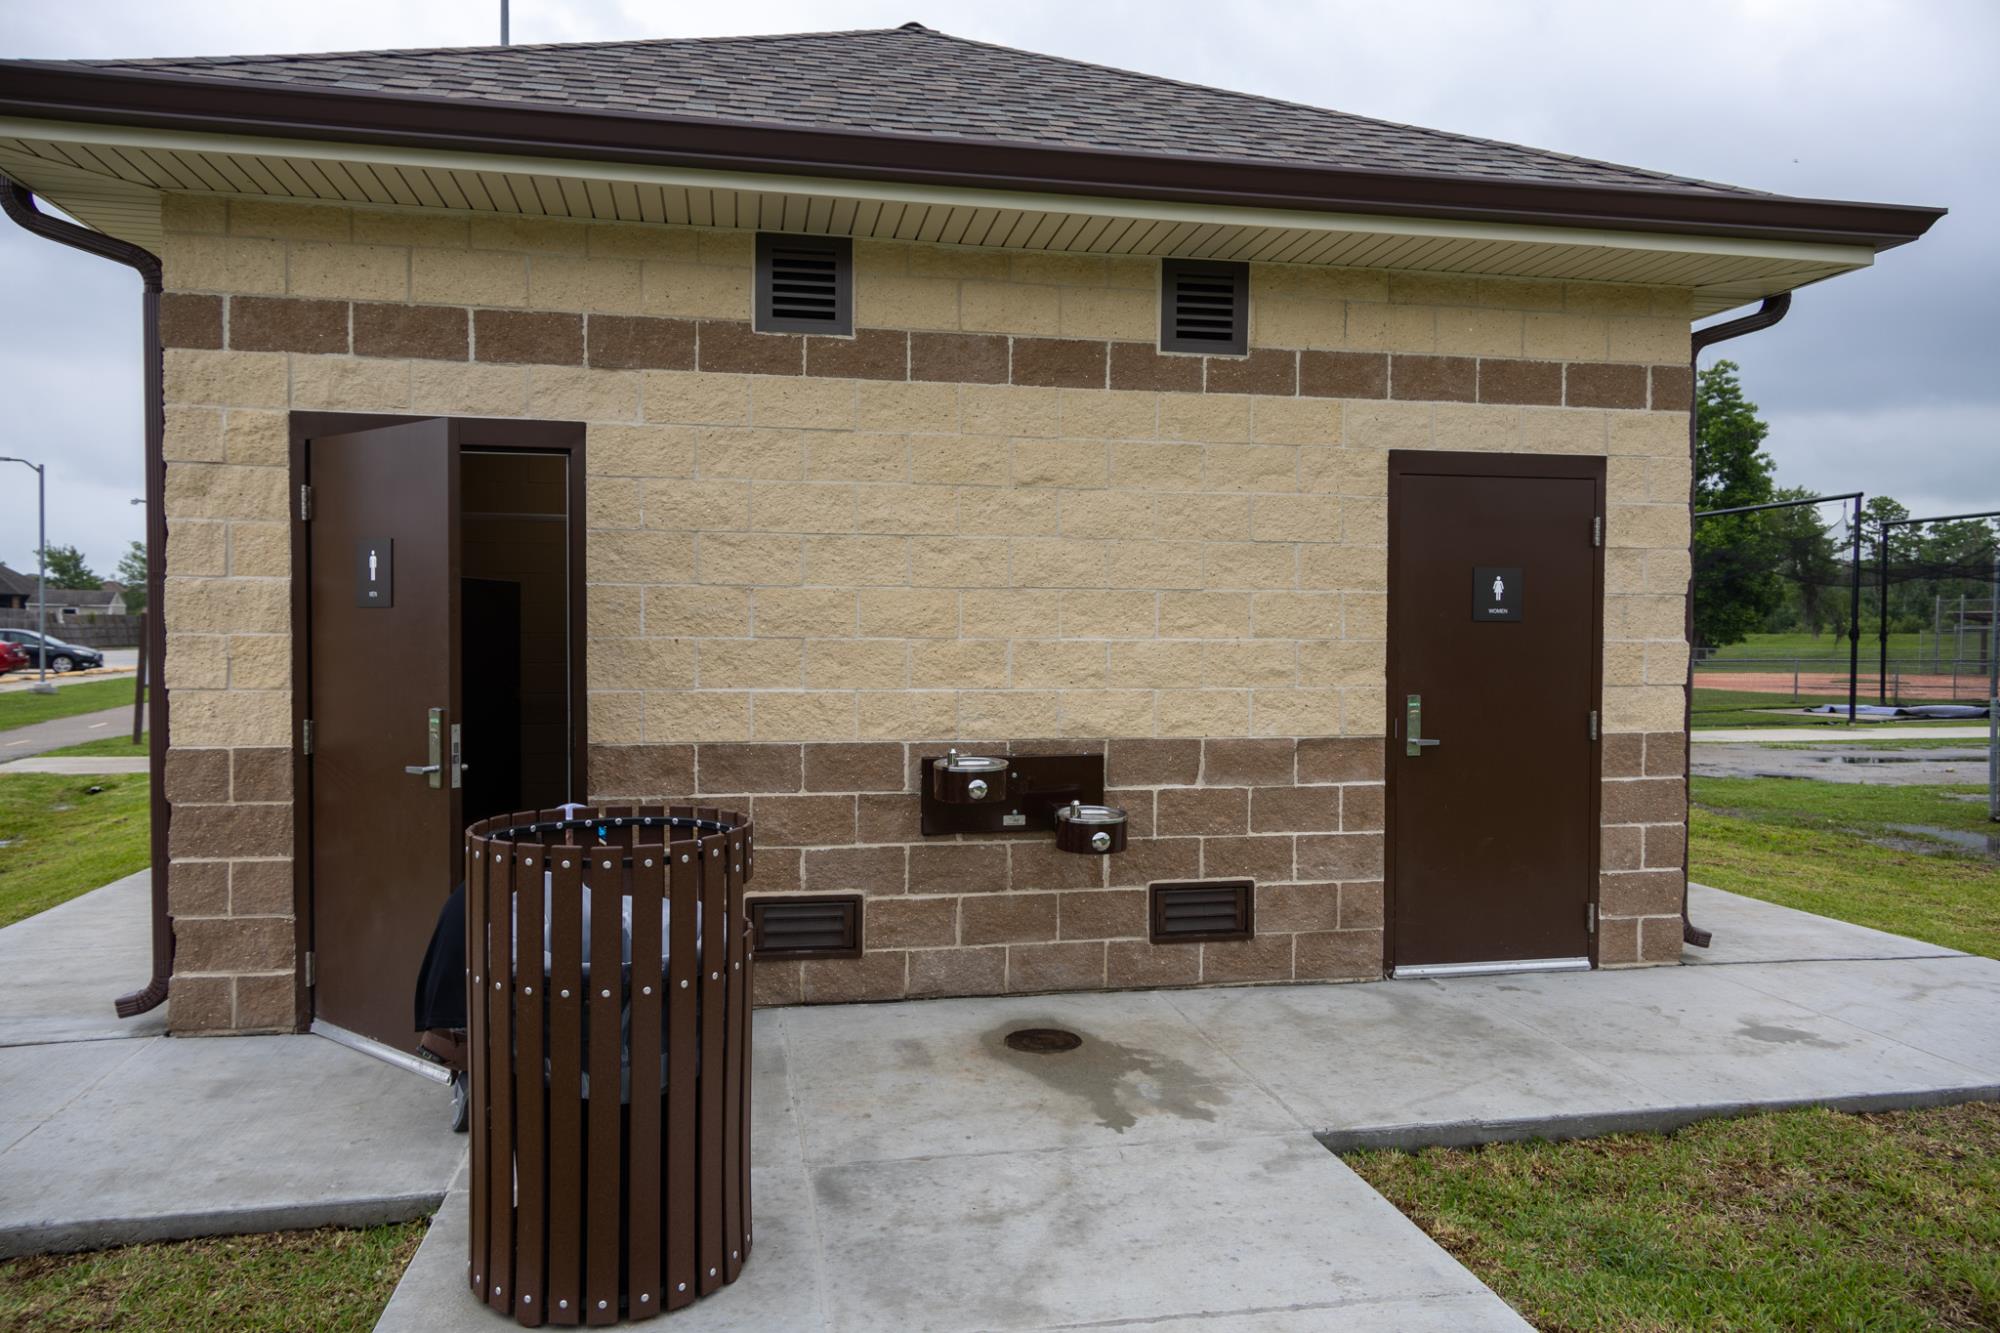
1495 635
385 841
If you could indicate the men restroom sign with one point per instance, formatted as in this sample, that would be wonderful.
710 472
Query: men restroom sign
1496 593
374 572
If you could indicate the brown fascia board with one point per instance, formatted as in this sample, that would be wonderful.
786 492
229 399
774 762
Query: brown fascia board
55 90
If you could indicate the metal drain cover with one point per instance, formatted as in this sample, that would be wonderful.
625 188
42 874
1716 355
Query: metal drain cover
1043 1041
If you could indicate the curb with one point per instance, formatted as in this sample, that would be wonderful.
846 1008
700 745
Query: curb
1643 1120
105 1233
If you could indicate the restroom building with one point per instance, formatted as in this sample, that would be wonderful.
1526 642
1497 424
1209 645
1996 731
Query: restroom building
746 422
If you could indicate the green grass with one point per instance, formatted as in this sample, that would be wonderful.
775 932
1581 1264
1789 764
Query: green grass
1826 648
19 708
61 840
317 1280
118 746
1801 1220
1827 847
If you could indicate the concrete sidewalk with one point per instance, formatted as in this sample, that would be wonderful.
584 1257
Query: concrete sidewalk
111 1132
41 737
914 1173
61 969
76 765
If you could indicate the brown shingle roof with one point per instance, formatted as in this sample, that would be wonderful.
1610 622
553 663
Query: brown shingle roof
916 81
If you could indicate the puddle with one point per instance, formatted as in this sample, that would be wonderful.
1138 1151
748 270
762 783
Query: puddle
1984 844
1868 758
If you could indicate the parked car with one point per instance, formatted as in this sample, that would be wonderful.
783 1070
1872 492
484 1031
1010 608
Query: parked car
12 656
61 656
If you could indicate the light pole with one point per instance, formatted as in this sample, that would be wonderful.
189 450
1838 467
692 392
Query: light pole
41 685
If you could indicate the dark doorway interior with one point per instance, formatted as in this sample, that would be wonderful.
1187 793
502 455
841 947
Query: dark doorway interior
513 516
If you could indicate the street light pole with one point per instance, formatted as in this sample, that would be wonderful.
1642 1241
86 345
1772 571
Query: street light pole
42 685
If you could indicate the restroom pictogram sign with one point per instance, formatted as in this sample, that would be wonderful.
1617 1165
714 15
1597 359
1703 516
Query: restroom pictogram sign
1496 593
374 572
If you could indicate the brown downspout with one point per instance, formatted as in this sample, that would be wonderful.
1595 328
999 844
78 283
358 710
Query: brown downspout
18 202
1763 317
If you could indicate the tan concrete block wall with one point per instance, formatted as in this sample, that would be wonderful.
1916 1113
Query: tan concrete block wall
995 514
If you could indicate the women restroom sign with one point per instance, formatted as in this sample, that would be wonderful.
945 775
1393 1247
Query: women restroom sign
1496 593
374 572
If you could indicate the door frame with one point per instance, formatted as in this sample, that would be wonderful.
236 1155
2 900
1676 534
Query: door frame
1435 462
487 434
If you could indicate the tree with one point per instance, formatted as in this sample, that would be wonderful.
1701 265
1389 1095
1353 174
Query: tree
66 568
132 573
1807 559
1735 583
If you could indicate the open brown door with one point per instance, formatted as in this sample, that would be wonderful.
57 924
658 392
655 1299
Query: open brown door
384 636
1495 638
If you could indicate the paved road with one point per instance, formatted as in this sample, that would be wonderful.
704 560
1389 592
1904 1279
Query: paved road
40 737
1883 766
117 662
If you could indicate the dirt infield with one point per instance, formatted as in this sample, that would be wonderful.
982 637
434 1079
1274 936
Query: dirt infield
1908 687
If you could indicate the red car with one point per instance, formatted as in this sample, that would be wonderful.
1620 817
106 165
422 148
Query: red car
13 657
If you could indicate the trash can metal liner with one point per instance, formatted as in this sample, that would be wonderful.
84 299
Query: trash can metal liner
589 1209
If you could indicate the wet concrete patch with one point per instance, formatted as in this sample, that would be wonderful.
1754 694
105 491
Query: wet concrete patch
1118 1084
1779 1035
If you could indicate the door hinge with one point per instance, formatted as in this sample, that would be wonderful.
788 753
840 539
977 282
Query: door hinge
305 502
1589 919
306 737
312 968
1593 724
1597 530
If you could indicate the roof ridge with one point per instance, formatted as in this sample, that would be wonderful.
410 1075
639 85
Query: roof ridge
1426 130
140 62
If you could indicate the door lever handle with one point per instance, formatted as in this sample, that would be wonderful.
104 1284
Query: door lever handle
434 751
1415 742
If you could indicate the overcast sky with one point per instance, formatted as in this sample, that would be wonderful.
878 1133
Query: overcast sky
1886 381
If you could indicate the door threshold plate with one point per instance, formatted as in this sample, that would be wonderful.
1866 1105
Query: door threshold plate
354 1041
1404 971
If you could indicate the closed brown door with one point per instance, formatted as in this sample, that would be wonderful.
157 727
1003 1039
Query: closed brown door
384 612
1495 636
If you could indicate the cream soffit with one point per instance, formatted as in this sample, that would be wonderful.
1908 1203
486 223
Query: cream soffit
111 177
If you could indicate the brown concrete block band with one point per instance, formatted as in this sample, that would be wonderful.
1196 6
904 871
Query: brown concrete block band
622 342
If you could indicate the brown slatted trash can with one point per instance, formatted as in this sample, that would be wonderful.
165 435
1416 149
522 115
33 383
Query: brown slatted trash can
609 1059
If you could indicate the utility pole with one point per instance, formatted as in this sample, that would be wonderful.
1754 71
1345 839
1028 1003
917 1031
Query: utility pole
503 22
41 685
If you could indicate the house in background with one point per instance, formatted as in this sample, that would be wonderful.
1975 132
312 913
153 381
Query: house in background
750 422
16 590
72 603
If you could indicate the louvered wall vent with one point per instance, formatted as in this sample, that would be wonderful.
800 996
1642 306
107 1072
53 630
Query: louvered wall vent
1204 307
805 284
1211 910
803 927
